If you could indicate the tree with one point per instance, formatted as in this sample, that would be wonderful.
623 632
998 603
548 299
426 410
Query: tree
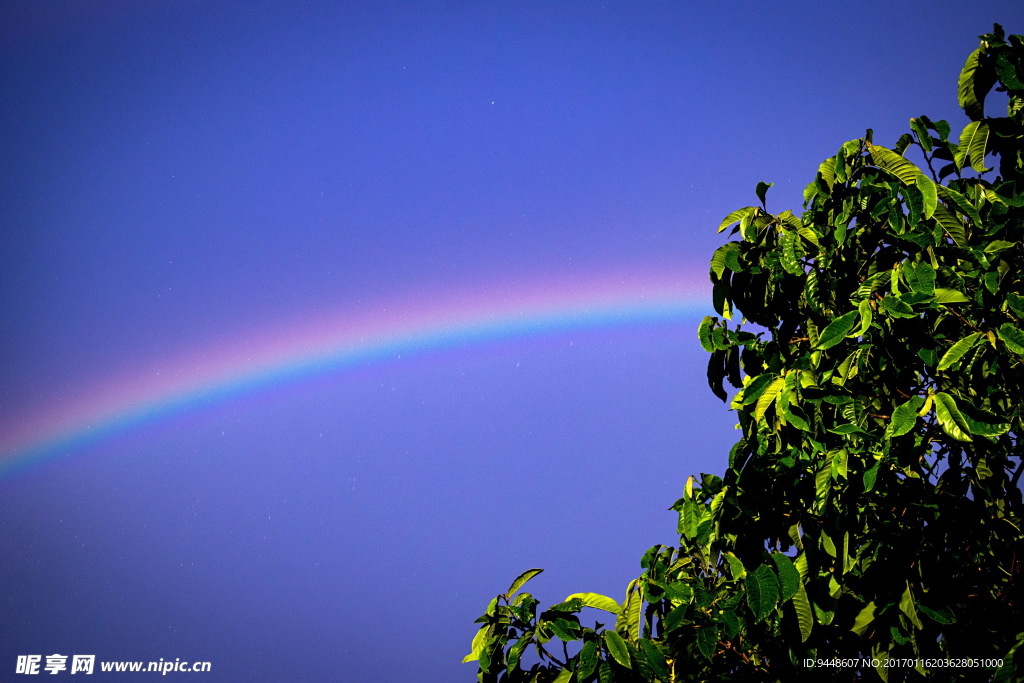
871 514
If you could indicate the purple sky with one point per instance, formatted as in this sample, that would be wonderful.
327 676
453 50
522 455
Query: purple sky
180 178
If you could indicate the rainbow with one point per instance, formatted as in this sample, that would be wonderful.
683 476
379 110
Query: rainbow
349 340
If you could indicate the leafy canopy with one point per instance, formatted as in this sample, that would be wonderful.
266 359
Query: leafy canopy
872 507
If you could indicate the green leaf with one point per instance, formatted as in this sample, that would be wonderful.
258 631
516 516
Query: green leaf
520 580
822 485
945 295
918 126
907 607
762 190
1009 72
985 428
736 568
1012 337
847 429
679 591
762 592
587 660
564 676
617 647
871 475
516 651
768 397
966 92
999 246
656 658
792 252
629 620
704 333
562 628
961 203
952 225
942 616
737 215
597 601
804 613
479 644
957 351
827 545
725 258
972 146
1016 303
920 277
899 166
904 417
707 640
864 619
827 169
789 577
929 193
897 308
676 618
950 418
866 314
837 330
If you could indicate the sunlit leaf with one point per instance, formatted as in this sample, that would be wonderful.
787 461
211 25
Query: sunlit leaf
792 252
929 194
521 580
629 618
871 475
736 569
479 643
950 418
972 146
908 608
957 350
897 308
864 619
892 162
966 93
704 333
617 647
1016 303
866 313
564 676
837 330
768 397
920 277
945 295
804 614
828 172
1012 337
904 417
952 225
597 601
735 216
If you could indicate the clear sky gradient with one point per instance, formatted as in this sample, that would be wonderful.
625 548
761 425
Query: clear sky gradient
201 202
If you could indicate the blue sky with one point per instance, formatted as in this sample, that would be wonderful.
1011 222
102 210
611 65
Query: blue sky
189 182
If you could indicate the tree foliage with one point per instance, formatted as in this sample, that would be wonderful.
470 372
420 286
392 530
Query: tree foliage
871 511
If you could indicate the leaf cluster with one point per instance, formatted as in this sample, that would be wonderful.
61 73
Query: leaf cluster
873 351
